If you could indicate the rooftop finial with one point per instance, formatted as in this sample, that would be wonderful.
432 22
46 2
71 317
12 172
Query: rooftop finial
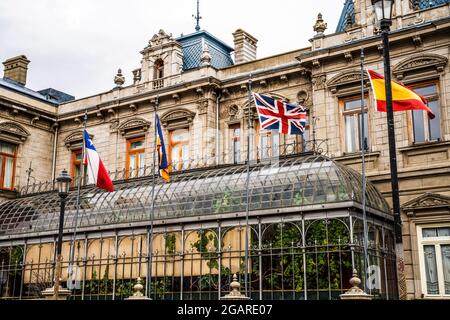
197 17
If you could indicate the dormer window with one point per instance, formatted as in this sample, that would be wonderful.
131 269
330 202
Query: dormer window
158 69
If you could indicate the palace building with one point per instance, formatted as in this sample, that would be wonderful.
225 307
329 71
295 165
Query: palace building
304 193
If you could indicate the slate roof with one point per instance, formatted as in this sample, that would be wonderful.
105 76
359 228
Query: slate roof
425 4
349 9
192 49
48 95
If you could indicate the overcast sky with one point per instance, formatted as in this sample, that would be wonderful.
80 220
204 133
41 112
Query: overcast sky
76 46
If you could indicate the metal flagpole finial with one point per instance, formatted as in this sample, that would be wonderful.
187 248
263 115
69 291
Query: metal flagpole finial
197 17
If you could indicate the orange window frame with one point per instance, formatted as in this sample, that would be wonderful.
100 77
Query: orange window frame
2 173
75 163
173 144
133 151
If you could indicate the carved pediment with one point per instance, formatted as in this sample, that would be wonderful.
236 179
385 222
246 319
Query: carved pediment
160 38
418 63
180 118
75 140
427 201
345 80
133 127
13 132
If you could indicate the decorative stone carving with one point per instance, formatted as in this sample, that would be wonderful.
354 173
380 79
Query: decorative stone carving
75 140
199 91
344 80
119 79
160 38
13 132
427 201
380 48
417 39
263 83
302 97
99 114
348 22
230 113
136 75
180 118
202 106
134 127
348 56
318 81
320 25
176 97
316 63
205 59
34 120
419 64
133 107
283 77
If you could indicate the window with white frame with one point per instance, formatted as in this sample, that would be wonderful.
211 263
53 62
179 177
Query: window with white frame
235 142
351 110
434 254
424 128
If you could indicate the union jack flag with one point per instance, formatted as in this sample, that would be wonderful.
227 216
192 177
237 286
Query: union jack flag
278 115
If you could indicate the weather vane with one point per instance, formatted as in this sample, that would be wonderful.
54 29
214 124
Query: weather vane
197 17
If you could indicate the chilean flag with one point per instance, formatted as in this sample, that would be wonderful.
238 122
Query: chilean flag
97 173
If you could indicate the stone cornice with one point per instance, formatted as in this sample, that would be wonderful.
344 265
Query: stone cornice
404 34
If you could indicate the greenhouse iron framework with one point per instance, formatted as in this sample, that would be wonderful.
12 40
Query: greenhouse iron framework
305 231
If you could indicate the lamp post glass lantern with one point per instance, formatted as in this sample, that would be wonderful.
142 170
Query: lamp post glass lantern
63 182
383 9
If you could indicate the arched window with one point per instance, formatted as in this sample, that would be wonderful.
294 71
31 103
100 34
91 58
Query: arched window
158 69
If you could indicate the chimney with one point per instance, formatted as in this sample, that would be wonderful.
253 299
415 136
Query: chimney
244 46
16 69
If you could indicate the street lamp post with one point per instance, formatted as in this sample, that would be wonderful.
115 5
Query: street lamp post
383 11
63 182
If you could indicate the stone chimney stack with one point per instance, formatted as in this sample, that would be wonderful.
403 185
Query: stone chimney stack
244 46
16 69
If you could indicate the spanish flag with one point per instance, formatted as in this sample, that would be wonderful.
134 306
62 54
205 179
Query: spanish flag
403 98
162 156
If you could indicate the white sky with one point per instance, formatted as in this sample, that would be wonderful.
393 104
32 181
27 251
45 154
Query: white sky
76 46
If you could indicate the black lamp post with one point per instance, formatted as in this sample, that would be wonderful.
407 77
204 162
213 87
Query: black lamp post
383 11
63 182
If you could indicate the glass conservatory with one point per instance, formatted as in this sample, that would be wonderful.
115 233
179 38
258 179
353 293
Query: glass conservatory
305 227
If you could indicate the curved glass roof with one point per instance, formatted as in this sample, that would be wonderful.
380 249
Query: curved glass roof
296 183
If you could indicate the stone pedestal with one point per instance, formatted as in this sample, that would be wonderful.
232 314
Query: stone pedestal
355 293
235 294
138 295
49 293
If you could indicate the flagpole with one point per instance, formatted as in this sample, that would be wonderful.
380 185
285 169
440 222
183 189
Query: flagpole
363 169
82 167
152 210
249 125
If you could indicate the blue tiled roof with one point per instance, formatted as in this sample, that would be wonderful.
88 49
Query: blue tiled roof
192 50
424 4
349 9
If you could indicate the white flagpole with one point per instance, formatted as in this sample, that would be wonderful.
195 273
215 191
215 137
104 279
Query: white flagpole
363 169
152 210
81 174
249 125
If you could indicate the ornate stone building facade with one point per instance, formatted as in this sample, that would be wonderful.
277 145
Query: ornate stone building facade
203 105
